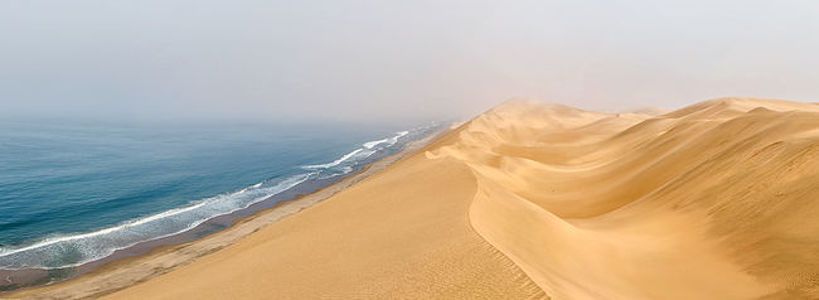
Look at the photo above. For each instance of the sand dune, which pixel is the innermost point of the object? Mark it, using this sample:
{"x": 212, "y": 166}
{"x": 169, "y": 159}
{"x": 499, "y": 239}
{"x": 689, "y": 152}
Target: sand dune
{"x": 713, "y": 201}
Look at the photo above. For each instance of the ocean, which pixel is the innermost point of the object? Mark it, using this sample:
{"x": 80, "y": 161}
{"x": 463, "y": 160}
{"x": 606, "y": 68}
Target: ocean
{"x": 72, "y": 192}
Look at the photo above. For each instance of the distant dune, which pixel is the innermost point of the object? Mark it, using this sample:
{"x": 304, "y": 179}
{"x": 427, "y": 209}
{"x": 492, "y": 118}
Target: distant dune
{"x": 649, "y": 110}
{"x": 718, "y": 200}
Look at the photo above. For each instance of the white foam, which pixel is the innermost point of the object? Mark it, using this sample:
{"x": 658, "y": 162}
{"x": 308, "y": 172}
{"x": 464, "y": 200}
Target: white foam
{"x": 98, "y": 244}
{"x": 364, "y": 152}
{"x": 389, "y": 141}
{"x": 394, "y": 139}
{"x": 335, "y": 162}
{"x": 370, "y": 145}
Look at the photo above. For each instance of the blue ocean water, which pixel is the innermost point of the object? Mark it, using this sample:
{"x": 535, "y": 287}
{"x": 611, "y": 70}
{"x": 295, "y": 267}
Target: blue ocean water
{"x": 71, "y": 193}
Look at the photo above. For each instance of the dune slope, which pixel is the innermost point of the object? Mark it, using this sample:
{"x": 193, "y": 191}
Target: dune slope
{"x": 713, "y": 201}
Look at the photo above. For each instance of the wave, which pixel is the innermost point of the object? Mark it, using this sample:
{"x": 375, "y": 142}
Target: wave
{"x": 389, "y": 141}
{"x": 74, "y": 250}
{"x": 368, "y": 149}
{"x": 370, "y": 145}
{"x": 337, "y": 161}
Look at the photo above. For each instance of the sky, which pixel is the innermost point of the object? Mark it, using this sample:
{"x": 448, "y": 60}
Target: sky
{"x": 387, "y": 61}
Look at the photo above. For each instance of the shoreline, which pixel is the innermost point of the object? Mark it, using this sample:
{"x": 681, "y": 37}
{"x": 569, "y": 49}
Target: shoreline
{"x": 149, "y": 259}
{"x": 38, "y": 277}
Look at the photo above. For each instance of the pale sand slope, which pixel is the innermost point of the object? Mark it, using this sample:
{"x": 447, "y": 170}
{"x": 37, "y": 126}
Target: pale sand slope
{"x": 714, "y": 201}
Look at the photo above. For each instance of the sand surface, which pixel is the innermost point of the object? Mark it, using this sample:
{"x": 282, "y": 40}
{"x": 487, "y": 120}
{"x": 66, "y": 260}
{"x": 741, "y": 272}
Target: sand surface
{"x": 717, "y": 200}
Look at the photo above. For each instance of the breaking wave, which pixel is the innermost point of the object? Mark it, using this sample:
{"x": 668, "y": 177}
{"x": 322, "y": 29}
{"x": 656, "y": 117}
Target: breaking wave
{"x": 77, "y": 249}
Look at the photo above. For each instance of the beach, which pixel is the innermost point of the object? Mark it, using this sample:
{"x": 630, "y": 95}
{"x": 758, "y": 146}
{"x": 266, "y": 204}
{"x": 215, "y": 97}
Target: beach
{"x": 529, "y": 201}
{"x": 155, "y": 257}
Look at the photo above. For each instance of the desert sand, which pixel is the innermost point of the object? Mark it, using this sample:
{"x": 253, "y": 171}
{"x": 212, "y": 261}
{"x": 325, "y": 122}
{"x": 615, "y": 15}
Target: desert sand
{"x": 717, "y": 200}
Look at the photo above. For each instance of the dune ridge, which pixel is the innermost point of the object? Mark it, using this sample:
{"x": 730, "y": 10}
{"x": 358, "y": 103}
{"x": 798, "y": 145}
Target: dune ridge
{"x": 714, "y": 200}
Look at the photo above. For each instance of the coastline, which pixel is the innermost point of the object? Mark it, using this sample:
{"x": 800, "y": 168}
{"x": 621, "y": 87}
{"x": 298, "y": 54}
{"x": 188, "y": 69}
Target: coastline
{"x": 528, "y": 201}
{"x": 153, "y": 258}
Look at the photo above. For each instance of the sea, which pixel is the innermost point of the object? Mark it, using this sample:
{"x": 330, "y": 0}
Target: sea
{"x": 76, "y": 192}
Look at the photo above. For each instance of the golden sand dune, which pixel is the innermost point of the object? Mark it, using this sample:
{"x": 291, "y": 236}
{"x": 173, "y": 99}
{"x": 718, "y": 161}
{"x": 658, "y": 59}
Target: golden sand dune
{"x": 714, "y": 201}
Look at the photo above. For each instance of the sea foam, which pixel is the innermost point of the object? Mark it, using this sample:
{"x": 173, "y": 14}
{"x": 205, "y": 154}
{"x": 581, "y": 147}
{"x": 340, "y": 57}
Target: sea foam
{"x": 72, "y": 250}
{"x": 367, "y": 149}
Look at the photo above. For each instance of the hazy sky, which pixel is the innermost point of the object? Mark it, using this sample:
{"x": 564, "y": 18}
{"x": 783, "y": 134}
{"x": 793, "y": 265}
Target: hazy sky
{"x": 383, "y": 60}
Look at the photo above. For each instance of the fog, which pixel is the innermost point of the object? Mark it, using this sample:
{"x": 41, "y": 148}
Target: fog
{"x": 386, "y": 61}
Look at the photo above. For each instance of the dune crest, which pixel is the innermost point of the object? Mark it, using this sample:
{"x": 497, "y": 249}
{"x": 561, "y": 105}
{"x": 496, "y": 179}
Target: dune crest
{"x": 716, "y": 200}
